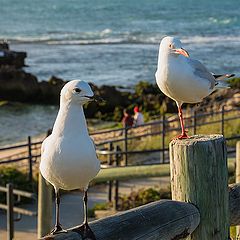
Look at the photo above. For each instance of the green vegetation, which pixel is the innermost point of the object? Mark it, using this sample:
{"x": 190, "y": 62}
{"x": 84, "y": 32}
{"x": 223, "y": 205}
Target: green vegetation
{"x": 91, "y": 213}
{"x": 143, "y": 196}
{"x": 17, "y": 178}
{"x": 102, "y": 206}
{"x": 136, "y": 198}
{"x": 234, "y": 83}
{"x": 233, "y": 232}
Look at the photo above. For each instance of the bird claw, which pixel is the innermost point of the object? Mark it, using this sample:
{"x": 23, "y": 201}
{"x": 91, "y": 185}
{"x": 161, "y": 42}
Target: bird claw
{"x": 57, "y": 229}
{"x": 85, "y": 231}
{"x": 182, "y": 136}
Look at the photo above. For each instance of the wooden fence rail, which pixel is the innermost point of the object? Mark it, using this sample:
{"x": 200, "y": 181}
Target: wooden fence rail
{"x": 165, "y": 220}
{"x": 9, "y": 207}
{"x": 199, "y": 175}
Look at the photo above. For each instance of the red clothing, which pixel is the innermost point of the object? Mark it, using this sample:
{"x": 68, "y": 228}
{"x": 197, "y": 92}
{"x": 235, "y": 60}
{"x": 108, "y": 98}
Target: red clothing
{"x": 127, "y": 121}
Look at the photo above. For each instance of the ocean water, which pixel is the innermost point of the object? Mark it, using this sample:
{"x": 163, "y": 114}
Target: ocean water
{"x": 113, "y": 42}
{"x": 116, "y": 42}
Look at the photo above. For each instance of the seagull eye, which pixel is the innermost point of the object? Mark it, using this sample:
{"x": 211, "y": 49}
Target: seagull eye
{"x": 170, "y": 46}
{"x": 77, "y": 90}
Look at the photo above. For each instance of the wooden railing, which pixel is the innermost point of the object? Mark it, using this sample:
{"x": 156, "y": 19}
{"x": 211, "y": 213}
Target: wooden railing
{"x": 200, "y": 208}
{"x": 162, "y": 128}
{"x": 28, "y": 154}
{"x": 11, "y": 209}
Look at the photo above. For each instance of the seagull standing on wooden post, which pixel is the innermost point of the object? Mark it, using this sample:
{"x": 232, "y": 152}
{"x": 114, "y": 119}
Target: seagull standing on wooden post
{"x": 183, "y": 79}
{"x": 68, "y": 159}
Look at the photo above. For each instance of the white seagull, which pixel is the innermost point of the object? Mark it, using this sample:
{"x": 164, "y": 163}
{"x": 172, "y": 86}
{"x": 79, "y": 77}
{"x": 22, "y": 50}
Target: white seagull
{"x": 68, "y": 158}
{"x": 183, "y": 79}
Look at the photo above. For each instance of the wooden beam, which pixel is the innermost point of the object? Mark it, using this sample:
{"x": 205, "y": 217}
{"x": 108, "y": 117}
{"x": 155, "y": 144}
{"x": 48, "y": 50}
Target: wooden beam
{"x": 44, "y": 206}
{"x": 165, "y": 220}
{"x": 238, "y": 180}
{"x": 199, "y": 175}
{"x": 171, "y": 206}
{"x": 234, "y": 204}
{"x": 130, "y": 172}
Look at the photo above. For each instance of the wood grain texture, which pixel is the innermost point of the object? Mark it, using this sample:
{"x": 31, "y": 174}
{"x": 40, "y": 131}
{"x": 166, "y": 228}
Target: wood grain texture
{"x": 165, "y": 220}
{"x": 120, "y": 221}
{"x": 199, "y": 175}
{"x": 234, "y": 204}
{"x": 44, "y": 206}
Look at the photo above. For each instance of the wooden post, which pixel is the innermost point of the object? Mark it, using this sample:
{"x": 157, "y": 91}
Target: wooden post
{"x": 126, "y": 145}
{"x": 199, "y": 175}
{"x": 222, "y": 120}
{"x": 195, "y": 122}
{"x": 30, "y": 159}
{"x": 110, "y": 182}
{"x": 10, "y": 213}
{"x": 163, "y": 138}
{"x": 44, "y": 207}
{"x": 116, "y": 181}
{"x": 238, "y": 178}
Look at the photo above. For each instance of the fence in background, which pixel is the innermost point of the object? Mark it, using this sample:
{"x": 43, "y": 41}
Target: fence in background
{"x": 27, "y": 154}
{"x": 163, "y": 128}
{"x": 11, "y": 209}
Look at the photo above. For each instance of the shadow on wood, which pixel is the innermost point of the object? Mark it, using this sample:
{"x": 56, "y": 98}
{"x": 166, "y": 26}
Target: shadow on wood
{"x": 165, "y": 220}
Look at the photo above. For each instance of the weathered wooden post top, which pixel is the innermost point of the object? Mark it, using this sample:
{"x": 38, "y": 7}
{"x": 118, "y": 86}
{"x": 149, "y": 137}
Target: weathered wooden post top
{"x": 199, "y": 175}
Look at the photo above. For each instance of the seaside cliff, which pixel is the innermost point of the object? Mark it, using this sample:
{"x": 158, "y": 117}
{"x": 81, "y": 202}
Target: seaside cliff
{"x": 19, "y": 86}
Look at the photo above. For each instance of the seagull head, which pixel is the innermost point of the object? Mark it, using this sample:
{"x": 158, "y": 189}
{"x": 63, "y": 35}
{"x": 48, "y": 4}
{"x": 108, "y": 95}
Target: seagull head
{"x": 78, "y": 92}
{"x": 172, "y": 46}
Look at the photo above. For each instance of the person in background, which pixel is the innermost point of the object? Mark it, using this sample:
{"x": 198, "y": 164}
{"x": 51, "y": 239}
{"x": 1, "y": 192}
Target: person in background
{"x": 127, "y": 120}
{"x": 138, "y": 117}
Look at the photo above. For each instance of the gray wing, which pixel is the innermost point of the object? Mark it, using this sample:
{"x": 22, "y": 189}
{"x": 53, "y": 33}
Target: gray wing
{"x": 94, "y": 146}
{"x": 201, "y": 71}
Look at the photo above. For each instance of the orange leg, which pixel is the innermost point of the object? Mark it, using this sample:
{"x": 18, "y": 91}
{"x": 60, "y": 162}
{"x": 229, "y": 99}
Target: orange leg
{"x": 184, "y": 134}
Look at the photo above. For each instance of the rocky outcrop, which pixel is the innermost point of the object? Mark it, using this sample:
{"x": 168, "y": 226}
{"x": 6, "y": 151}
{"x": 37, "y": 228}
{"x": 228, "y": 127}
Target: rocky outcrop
{"x": 18, "y": 85}
{"x": 11, "y": 58}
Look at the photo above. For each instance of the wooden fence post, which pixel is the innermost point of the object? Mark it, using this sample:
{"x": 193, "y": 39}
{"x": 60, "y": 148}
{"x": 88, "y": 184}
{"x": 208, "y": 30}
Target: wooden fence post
{"x": 118, "y": 149}
{"x": 30, "y": 159}
{"x": 163, "y": 138}
{"x": 44, "y": 207}
{"x": 222, "y": 120}
{"x": 110, "y": 148}
{"x": 126, "y": 145}
{"x": 238, "y": 179}
{"x": 194, "y": 122}
{"x": 199, "y": 175}
{"x": 10, "y": 213}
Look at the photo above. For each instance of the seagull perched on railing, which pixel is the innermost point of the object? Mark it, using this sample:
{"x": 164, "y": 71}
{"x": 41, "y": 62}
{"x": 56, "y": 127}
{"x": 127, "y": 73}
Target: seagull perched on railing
{"x": 183, "y": 79}
{"x": 68, "y": 159}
